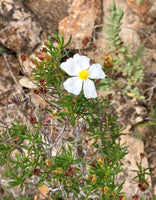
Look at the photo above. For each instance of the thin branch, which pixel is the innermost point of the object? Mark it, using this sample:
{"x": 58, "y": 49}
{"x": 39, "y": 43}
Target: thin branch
{"x": 8, "y": 65}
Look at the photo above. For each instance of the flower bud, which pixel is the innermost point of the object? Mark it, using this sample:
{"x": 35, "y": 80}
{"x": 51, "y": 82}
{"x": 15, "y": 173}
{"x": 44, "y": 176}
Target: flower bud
{"x": 41, "y": 56}
{"x": 43, "y": 81}
{"x": 108, "y": 60}
{"x": 105, "y": 190}
{"x": 43, "y": 49}
{"x": 93, "y": 178}
{"x": 33, "y": 60}
{"x": 36, "y": 91}
{"x": 93, "y": 164}
{"x": 143, "y": 186}
{"x": 47, "y": 57}
{"x": 48, "y": 162}
{"x": 100, "y": 160}
{"x": 46, "y": 43}
{"x": 37, "y": 64}
{"x": 36, "y": 171}
{"x": 32, "y": 120}
{"x": 136, "y": 197}
{"x": 122, "y": 197}
{"x": 58, "y": 170}
{"x": 70, "y": 171}
{"x": 42, "y": 90}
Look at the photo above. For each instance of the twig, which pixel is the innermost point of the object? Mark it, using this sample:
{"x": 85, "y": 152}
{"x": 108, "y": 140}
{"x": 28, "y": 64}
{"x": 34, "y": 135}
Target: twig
{"x": 8, "y": 65}
{"x": 63, "y": 192}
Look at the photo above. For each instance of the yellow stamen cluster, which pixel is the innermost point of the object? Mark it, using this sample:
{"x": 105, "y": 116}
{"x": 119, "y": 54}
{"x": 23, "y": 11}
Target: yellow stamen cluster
{"x": 84, "y": 74}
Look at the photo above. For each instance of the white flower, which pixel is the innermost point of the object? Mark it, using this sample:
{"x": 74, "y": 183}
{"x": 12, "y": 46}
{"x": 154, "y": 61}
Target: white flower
{"x": 79, "y": 67}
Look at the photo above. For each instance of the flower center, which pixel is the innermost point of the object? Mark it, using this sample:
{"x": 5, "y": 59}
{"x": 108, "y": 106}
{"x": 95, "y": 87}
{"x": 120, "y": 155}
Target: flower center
{"x": 83, "y": 74}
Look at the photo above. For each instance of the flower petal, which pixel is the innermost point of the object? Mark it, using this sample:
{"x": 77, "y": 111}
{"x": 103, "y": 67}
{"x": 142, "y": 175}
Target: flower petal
{"x": 73, "y": 85}
{"x": 96, "y": 72}
{"x": 71, "y": 67}
{"x": 89, "y": 89}
{"x": 83, "y": 61}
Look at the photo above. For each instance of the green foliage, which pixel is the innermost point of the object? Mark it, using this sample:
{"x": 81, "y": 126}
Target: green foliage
{"x": 125, "y": 63}
{"x": 12, "y": 141}
{"x": 30, "y": 157}
{"x": 66, "y": 168}
{"x": 49, "y": 68}
{"x": 71, "y": 171}
{"x": 143, "y": 182}
{"x": 112, "y": 29}
{"x": 141, "y": 176}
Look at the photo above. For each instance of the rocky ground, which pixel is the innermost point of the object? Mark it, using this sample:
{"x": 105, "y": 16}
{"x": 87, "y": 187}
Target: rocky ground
{"x": 25, "y": 24}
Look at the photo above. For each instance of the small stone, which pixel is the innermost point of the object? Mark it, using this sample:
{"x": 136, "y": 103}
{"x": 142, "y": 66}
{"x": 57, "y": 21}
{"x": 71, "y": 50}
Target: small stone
{"x": 49, "y": 13}
{"x": 19, "y": 31}
{"x": 80, "y": 23}
{"x": 150, "y": 16}
{"x": 139, "y": 8}
{"x": 27, "y": 83}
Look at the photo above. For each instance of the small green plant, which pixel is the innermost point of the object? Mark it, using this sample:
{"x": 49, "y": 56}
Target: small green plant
{"x": 141, "y": 174}
{"x": 82, "y": 155}
{"x": 142, "y": 181}
{"x": 124, "y": 63}
{"x": 76, "y": 168}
